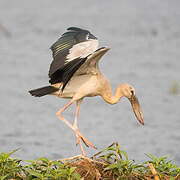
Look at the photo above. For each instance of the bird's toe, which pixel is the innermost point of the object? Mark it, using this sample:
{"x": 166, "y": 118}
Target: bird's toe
{"x": 84, "y": 140}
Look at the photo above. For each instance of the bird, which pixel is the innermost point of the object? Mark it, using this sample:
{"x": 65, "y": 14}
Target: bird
{"x": 74, "y": 74}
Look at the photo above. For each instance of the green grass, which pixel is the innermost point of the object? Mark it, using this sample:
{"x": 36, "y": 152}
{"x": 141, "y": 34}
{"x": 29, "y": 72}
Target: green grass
{"x": 121, "y": 166}
{"x": 111, "y": 163}
{"x": 41, "y": 168}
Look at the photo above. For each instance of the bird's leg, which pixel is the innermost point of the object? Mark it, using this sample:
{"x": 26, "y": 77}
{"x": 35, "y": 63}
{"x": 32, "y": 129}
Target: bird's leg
{"x": 77, "y": 114}
{"x": 60, "y": 116}
{"x": 74, "y": 126}
{"x": 78, "y": 134}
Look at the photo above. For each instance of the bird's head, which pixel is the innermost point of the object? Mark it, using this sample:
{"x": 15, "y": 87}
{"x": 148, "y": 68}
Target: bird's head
{"x": 128, "y": 91}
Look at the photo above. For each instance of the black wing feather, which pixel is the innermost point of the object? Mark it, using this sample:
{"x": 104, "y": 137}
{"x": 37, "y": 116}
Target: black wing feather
{"x": 62, "y": 70}
{"x": 77, "y": 29}
{"x": 65, "y": 73}
{"x": 61, "y": 47}
{"x": 58, "y": 62}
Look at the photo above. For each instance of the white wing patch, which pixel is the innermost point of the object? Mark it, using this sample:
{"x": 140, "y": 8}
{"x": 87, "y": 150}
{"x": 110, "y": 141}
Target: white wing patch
{"x": 82, "y": 49}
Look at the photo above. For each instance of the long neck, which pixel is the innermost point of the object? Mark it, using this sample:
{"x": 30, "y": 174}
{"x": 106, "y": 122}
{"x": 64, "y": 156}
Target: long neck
{"x": 112, "y": 99}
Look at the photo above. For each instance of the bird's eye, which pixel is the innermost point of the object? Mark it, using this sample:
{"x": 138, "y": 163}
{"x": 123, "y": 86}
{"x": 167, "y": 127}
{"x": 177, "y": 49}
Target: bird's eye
{"x": 132, "y": 92}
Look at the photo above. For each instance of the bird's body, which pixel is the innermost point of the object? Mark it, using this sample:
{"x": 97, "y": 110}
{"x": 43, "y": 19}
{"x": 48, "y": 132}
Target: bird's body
{"x": 82, "y": 85}
{"x": 74, "y": 74}
{"x": 84, "y": 88}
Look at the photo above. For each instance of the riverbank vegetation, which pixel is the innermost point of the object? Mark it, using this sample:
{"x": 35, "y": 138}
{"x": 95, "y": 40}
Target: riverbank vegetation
{"x": 111, "y": 163}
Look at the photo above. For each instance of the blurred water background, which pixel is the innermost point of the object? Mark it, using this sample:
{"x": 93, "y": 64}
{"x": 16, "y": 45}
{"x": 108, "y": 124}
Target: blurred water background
{"x": 144, "y": 37}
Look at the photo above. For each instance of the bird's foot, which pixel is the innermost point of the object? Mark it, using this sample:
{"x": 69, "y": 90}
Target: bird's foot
{"x": 84, "y": 140}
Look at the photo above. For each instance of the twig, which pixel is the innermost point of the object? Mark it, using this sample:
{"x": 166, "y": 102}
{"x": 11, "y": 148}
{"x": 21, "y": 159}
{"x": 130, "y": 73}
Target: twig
{"x": 81, "y": 157}
{"x": 114, "y": 143}
{"x": 155, "y": 174}
{"x": 71, "y": 158}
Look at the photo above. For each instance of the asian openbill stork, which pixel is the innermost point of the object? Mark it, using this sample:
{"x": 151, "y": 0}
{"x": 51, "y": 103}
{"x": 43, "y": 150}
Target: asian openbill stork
{"x": 74, "y": 73}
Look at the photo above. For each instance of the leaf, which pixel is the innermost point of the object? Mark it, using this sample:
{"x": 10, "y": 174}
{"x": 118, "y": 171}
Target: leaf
{"x": 162, "y": 158}
{"x": 76, "y": 176}
{"x": 15, "y": 150}
{"x": 29, "y": 161}
{"x": 112, "y": 166}
{"x": 59, "y": 164}
{"x": 72, "y": 169}
{"x": 34, "y": 173}
{"x": 124, "y": 154}
{"x": 44, "y": 160}
{"x": 3, "y": 177}
{"x": 152, "y": 157}
{"x": 117, "y": 152}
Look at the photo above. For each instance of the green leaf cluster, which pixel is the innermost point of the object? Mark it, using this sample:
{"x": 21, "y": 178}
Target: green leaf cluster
{"x": 163, "y": 166}
{"x": 121, "y": 166}
{"x": 39, "y": 169}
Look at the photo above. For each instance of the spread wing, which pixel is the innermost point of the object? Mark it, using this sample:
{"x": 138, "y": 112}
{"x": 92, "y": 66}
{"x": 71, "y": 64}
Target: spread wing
{"x": 90, "y": 65}
{"x": 69, "y": 53}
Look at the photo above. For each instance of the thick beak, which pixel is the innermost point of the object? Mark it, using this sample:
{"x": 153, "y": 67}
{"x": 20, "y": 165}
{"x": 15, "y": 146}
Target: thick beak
{"x": 136, "y": 108}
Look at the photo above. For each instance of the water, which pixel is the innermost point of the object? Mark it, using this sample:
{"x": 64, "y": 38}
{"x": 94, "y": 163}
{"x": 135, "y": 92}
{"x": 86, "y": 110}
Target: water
{"x": 144, "y": 38}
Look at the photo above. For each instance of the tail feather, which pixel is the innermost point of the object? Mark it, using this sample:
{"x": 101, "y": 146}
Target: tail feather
{"x": 43, "y": 91}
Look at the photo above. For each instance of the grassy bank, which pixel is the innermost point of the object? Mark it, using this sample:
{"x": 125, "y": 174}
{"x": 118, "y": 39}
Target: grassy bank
{"x": 111, "y": 163}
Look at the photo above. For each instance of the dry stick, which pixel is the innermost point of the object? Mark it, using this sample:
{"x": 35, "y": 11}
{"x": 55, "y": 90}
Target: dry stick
{"x": 71, "y": 158}
{"x": 156, "y": 177}
{"x": 81, "y": 157}
{"x": 114, "y": 143}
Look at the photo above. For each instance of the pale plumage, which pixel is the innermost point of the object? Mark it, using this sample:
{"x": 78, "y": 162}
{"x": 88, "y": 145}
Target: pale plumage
{"x": 74, "y": 74}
